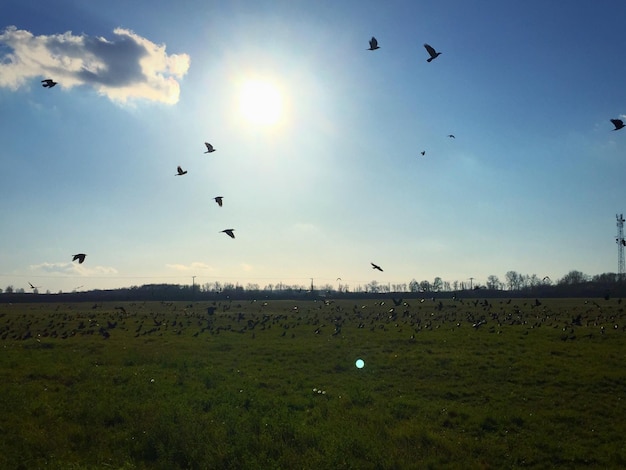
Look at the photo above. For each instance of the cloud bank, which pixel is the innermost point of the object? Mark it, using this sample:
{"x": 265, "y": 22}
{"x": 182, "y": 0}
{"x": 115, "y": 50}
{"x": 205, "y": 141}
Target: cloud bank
{"x": 125, "y": 68}
{"x": 193, "y": 266}
{"x": 73, "y": 269}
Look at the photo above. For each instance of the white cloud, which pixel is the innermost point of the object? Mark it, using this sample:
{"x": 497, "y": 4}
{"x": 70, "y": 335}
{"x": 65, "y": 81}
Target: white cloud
{"x": 73, "y": 269}
{"x": 126, "y": 68}
{"x": 193, "y": 266}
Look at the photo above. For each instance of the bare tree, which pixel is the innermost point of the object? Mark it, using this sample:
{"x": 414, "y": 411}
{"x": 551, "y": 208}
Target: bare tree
{"x": 574, "y": 277}
{"x": 493, "y": 282}
{"x": 372, "y": 287}
{"x": 513, "y": 280}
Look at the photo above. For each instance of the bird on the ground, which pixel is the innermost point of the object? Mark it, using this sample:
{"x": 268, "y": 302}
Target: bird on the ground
{"x": 373, "y": 44}
{"x": 218, "y": 199}
{"x": 180, "y": 172}
{"x": 451, "y": 136}
{"x": 209, "y": 148}
{"x": 618, "y": 123}
{"x": 375, "y": 266}
{"x": 48, "y": 83}
{"x": 80, "y": 257}
{"x": 229, "y": 232}
{"x": 432, "y": 52}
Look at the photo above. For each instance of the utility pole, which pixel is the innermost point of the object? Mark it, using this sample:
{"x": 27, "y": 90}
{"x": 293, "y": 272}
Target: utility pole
{"x": 471, "y": 280}
{"x": 193, "y": 286}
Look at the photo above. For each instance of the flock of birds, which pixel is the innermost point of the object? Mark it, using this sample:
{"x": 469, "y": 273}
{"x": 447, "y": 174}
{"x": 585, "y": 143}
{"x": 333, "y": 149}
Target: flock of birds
{"x": 217, "y": 199}
{"x": 373, "y": 43}
{"x": 80, "y": 257}
{"x": 328, "y": 318}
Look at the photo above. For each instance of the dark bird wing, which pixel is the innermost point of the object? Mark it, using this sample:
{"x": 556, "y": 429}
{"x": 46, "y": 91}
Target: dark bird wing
{"x": 431, "y": 50}
{"x": 218, "y": 199}
{"x": 373, "y": 43}
{"x": 80, "y": 257}
{"x": 229, "y": 232}
{"x": 375, "y": 266}
{"x": 618, "y": 123}
{"x": 209, "y": 147}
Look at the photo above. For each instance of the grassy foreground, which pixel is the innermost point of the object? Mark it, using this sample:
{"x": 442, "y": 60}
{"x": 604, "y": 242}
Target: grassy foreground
{"x": 450, "y": 384}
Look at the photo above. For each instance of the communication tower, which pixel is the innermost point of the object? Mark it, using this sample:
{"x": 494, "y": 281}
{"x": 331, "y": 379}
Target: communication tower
{"x": 621, "y": 242}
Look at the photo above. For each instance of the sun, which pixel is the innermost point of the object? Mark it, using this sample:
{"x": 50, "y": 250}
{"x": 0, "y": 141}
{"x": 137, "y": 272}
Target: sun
{"x": 261, "y": 102}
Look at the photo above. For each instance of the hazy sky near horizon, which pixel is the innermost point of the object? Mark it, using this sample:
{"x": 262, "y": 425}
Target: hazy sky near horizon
{"x": 317, "y": 141}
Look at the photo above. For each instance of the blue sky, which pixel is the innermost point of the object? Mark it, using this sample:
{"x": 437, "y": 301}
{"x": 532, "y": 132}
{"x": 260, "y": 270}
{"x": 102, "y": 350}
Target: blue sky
{"x": 531, "y": 183}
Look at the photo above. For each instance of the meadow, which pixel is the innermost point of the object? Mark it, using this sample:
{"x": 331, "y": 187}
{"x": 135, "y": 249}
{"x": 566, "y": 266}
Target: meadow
{"x": 485, "y": 383}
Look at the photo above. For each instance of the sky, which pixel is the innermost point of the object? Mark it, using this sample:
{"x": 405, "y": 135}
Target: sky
{"x": 318, "y": 141}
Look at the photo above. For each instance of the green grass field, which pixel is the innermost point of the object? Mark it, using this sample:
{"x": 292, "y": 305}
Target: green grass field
{"x": 473, "y": 384}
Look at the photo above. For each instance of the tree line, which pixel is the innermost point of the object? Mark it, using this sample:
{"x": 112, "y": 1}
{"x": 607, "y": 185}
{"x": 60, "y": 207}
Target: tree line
{"x": 573, "y": 284}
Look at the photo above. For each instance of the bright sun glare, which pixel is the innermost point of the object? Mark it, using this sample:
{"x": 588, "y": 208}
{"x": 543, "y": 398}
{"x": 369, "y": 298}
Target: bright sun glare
{"x": 261, "y": 102}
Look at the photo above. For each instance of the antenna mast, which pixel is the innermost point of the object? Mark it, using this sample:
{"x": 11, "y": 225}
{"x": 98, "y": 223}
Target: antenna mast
{"x": 620, "y": 246}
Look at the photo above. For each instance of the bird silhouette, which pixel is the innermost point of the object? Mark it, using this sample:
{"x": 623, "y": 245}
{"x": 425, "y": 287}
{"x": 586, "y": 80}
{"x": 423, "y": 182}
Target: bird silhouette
{"x": 209, "y": 148}
{"x": 375, "y": 266}
{"x": 33, "y": 287}
{"x": 229, "y": 232}
{"x": 432, "y": 52}
{"x": 218, "y": 199}
{"x": 618, "y": 123}
{"x": 80, "y": 257}
{"x": 451, "y": 136}
{"x": 180, "y": 172}
{"x": 423, "y": 152}
{"x": 48, "y": 83}
{"x": 373, "y": 44}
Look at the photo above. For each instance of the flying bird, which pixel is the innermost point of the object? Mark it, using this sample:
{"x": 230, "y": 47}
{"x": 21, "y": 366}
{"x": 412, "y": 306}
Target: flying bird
{"x": 181, "y": 172}
{"x": 48, "y": 83}
{"x": 218, "y": 199}
{"x": 451, "y": 136}
{"x": 373, "y": 44}
{"x": 423, "y": 152}
{"x": 80, "y": 257}
{"x": 618, "y": 123}
{"x": 209, "y": 148}
{"x": 33, "y": 287}
{"x": 432, "y": 52}
{"x": 229, "y": 232}
{"x": 375, "y": 266}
